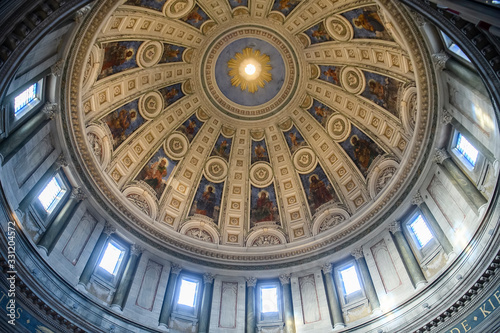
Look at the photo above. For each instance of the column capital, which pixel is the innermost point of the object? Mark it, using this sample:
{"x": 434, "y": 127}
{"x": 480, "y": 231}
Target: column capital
{"x": 417, "y": 199}
{"x": 136, "y": 250}
{"x": 357, "y": 253}
{"x": 441, "y": 155}
{"x": 284, "y": 279}
{"x": 50, "y": 110}
{"x": 175, "y": 268}
{"x": 251, "y": 281}
{"x": 208, "y": 278}
{"x": 327, "y": 268}
{"x": 81, "y": 13}
{"x": 57, "y": 68}
{"x": 109, "y": 229}
{"x": 61, "y": 162}
{"x": 78, "y": 194}
{"x": 395, "y": 227}
{"x": 447, "y": 116}
{"x": 439, "y": 60}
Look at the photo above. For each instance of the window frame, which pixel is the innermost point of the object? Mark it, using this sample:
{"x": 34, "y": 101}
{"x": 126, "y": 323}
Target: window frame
{"x": 37, "y": 208}
{"x": 426, "y": 252}
{"x": 448, "y": 43}
{"x": 474, "y": 173}
{"x": 265, "y": 318}
{"x": 354, "y": 298}
{"x": 101, "y": 273}
{"x": 182, "y": 310}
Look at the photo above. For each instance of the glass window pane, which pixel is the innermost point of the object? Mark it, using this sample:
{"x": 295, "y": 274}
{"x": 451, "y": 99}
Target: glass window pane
{"x": 350, "y": 280}
{"x": 421, "y": 231}
{"x": 269, "y": 298}
{"x": 51, "y": 195}
{"x": 24, "y": 98}
{"x": 466, "y": 149}
{"x": 454, "y": 47}
{"x": 187, "y": 292}
{"x": 110, "y": 259}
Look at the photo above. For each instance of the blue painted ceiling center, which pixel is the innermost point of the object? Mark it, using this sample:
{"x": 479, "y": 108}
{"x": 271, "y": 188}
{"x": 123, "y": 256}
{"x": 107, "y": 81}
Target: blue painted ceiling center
{"x": 244, "y": 97}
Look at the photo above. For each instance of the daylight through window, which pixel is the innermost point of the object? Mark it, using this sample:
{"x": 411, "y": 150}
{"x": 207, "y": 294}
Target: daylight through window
{"x": 421, "y": 231}
{"x": 269, "y": 298}
{"x": 454, "y": 47}
{"x": 24, "y": 98}
{"x": 51, "y": 195}
{"x": 466, "y": 149}
{"x": 187, "y": 292}
{"x": 111, "y": 258}
{"x": 350, "y": 280}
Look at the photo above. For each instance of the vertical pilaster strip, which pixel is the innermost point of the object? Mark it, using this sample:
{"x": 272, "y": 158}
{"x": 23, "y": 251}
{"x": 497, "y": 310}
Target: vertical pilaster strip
{"x": 250, "y": 305}
{"x": 123, "y": 290}
{"x": 371, "y": 293}
{"x": 332, "y": 296}
{"x": 409, "y": 260}
{"x": 287, "y": 303}
{"x": 206, "y": 302}
{"x": 166, "y": 309}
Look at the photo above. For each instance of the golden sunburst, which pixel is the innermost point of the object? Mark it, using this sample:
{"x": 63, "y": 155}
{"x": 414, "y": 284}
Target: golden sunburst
{"x": 250, "y": 70}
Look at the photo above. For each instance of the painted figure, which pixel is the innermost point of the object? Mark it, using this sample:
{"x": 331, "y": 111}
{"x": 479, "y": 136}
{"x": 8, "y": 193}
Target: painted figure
{"x": 318, "y": 191}
{"x": 155, "y": 174}
{"x": 331, "y": 73}
{"x": 369, "y": 21}
{"x": 207, "y": 204}
{"x": 264, "y": 209}
{"x": 377, "y": 89}
{"x": 119, "y": 123}
{"x": 260, "y": 152}
{"x": 115, "y": 55}
{"x": 363, "y": 151}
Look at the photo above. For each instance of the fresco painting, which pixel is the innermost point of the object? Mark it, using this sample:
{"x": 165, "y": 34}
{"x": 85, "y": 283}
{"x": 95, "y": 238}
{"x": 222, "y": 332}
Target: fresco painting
{"x": 172, "y": 94}
{"x": 361, "y": 149}
{"x": 263, "y": 206}
{"x": 318, "y": 34}
{"x": 383, "y": 91}
{"x": 222, "y": 147}
{"x": 123, "y": 122}
{"x": 190, "y": 127}
{"x": 320, "y": 112}
{"x": 294, "y": 139}
{"x": 259, "y": 151}
{"x": 330, "y": 74}
{"x": 157, "y": 171}
{"x": 318, "y": 189}
{"x": 196, "y": 17}
{"x": 238, "y": 3}
{"x": 285, "y": 6}
{"x": 208, "y": 199}
{"x": 367, "y": 23}
{"x": 151, "y": 4}
{"x": 171, "y": 53}
{"x": 118, "y": 57}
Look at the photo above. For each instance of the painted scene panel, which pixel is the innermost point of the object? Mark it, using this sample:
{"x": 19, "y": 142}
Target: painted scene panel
{"x": 285, "y": 6}
{"x": 171, "y": 94}
{"x": 318, "y": 34}
{"x": 222, "y": 147}
{"x": 118, "y": 57}
{"x": 190, "y": 127}
{"x": 171, "y": 53}
{"x": 361, "y": 149}
{"x": 318, "y": 189}
{"x": 156, "y": 172}
{"x": 208, "y": 199}
{"x": 330, "y": 74}
{"x": 263, "y": 206}
{"x": 367, "y": 23}
{"x": 320, "y": 112}
{"x": 237, "y": 3}
{"x": 294, "y": 139}
{"x": 383, "y": 91}
{"x": 123, "y": 122}
{"x": 259, "y": 151}
{"x": 151, "y": 4}
{"x": 196, "y": 17}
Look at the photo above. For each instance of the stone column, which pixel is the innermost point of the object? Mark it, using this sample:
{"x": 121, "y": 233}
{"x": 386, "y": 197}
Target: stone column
{"x": 371, "y": 294}
{"x": 35, "y": 190}
{"x": 56, "y": 228}
{"x": 166, "y": 308}
{"x": 99, "y": 246}
{"x": 459, "y": 180}
{"x": 409, "y": 260}
{"x": 332, "y": 296}
{"x": 287, "y": 303}
{"x": 206, "y": 302}
{"x": 250, "y": 306}
{"x": 11, "y": 145}
{"x": 434, "y": 225}
{"x": 121, "y": 294}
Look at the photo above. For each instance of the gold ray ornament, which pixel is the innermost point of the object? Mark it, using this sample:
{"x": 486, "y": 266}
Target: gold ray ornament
{"x": 250, "y": 70}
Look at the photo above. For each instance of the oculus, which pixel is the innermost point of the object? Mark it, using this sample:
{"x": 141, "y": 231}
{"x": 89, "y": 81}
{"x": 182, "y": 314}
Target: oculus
{"x": 250, "y": 70}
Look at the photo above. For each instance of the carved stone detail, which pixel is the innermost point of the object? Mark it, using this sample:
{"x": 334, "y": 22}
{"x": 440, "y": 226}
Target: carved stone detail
{"x": 175, "y": 269}
{"x": 417, "y": 199}
{"x": 395, "y": 227}
{"x": 208, "y": 278}
{"x": 447, "y": 116}
{"x": 284, "y": 279}
{"x": 50, "y": 110}
{"x": 251, "y": 281}
{"x": 57, "y": 68}
{"x": 441, "y": 155}
{"x": 109, "y": 229}
{"x": 439, "y": 60}
{"x": 78, "y": 194}
{"x": 136, "y": 250}
{"x": 327, "y": 268}
{"x": 357, "y": 253}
